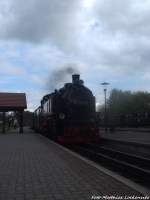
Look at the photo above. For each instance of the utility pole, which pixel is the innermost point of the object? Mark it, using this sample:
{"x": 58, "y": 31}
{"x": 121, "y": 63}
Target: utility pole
{"x": 105, "y": 99}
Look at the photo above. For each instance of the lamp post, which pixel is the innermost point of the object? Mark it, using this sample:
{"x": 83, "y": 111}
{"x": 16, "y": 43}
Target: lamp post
{"x": 105, "y": 115}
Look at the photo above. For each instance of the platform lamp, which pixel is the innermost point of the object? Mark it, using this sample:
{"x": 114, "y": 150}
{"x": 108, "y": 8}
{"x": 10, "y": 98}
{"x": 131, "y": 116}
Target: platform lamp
{"x": 105, "y": 84}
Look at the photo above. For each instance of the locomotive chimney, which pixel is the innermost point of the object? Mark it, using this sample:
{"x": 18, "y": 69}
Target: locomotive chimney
{"x": 75, "y": 78}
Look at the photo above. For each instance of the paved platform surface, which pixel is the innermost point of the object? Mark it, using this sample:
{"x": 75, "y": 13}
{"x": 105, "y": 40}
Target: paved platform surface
{"x": 34, "y": 168}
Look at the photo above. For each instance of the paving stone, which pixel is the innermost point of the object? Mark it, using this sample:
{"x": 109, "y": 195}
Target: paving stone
{"x": 32, "y": 167}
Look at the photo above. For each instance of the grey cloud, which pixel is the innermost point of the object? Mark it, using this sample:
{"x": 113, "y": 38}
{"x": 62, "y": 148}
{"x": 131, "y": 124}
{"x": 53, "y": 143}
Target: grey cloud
{"x": 121, "y": 35}
{"x": 130, "y": 16}
{"x": 116, "y": 35}
{"x": 36, "y": 20}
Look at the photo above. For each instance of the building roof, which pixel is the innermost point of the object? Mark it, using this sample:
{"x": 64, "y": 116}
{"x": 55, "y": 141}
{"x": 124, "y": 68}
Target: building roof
{"x": 12, "y": 101}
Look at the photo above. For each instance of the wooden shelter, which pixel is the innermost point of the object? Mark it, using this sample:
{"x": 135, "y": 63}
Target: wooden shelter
{"x": 13, "y": 102}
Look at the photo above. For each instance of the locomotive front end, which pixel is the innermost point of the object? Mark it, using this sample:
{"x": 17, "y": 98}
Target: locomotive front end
{"x": 79, "y": 110}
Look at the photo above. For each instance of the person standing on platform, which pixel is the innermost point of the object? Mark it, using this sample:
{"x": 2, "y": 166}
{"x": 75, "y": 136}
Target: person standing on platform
{"x": 15, "y": 123}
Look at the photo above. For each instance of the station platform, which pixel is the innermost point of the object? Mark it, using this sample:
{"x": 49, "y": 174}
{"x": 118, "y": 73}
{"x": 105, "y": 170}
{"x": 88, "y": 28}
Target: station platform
{"x": 34, "y": 168}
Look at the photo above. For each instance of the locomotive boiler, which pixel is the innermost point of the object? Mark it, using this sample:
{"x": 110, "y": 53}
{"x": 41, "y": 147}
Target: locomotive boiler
{"x": 68, "y": 115}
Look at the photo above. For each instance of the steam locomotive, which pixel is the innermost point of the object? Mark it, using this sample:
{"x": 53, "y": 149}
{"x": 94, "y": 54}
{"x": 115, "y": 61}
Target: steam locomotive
{"x": 68, "y": 115}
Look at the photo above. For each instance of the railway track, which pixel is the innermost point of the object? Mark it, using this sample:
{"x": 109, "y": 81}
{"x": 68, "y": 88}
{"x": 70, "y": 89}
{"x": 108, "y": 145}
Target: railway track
{"x": 131, "y": 166}
{"x": 139, "y": 149}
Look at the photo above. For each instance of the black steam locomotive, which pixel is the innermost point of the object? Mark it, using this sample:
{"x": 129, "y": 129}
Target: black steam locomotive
{"x": 68, "y": 115}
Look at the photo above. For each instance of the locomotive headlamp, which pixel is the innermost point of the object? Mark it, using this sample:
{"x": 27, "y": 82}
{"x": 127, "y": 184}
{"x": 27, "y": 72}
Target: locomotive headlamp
{"x": 61, "y": 116}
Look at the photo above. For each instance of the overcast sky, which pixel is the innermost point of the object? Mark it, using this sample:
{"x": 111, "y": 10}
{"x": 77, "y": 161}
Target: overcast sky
{"x": 104, "y": 40}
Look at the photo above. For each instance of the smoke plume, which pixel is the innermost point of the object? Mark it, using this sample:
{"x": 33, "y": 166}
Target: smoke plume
{"x": 60, "y": 76}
